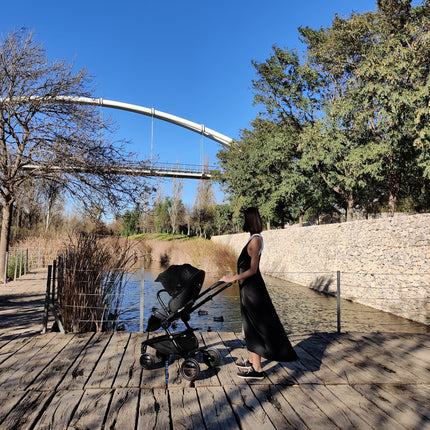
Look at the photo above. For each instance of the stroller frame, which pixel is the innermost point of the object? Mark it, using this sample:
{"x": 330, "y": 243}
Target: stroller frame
{"x": 184, "y": 343}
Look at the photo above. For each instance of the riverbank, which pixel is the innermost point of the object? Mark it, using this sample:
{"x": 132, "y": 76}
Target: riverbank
{"x": 157, "y": 249}
{"x": 382, "y": 263}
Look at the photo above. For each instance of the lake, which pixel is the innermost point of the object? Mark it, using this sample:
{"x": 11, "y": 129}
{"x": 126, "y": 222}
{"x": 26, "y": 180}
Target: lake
{"x": 301, "y": 309}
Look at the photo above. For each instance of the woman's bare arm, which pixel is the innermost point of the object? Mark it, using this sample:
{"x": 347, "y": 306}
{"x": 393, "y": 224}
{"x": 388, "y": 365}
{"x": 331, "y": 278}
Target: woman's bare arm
{"x": 253, "y": 249}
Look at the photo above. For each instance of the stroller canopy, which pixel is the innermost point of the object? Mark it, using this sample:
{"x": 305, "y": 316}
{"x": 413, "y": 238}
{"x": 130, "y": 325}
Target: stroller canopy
{"x": 179, "y": 278}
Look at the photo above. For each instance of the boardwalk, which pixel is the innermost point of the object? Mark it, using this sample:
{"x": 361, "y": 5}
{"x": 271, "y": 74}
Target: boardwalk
{"x": 94, "y": 381}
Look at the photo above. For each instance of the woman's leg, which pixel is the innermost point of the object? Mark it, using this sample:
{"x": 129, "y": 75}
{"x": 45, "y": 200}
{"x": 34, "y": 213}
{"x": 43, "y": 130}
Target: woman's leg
{"x": 255, "y": 360}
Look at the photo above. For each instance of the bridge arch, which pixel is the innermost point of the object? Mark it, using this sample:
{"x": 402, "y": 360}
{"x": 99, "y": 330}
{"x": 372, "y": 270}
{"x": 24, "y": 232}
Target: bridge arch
{"x": 190, "y": 125}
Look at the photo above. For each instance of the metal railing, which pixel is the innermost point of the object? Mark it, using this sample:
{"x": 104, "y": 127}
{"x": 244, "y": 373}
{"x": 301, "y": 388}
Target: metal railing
{"x": 331, "y": 311}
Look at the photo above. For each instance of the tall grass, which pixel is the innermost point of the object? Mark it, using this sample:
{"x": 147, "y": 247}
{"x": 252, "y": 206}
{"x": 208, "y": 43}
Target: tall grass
{"x": 91, "y": 282}
{"x": 215, "y": 259}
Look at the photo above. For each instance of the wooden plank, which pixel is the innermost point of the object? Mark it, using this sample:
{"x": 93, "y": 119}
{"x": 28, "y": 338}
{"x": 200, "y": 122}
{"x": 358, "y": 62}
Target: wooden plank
{"x": 209, "y": 375}
{"x": 25, "y": 413}
{"x": 60, "y": 410}
{"x": 307, "y": 409}
{"x": 248, "y": 409}
{"x": 11, "y": 346}
{"x": 130, "y": 371}
{"x": 363, "y": 407}
{"x": 184, "y": 408}
{"x": 215, "y": 408}
{"x": 23, "y": 355}
{"x": 55, "y": 371}
{"x": 26, "y": 374}
{"x": 91, "y": 411}
{"x": 154, "y": 410}
{"x": 418, "y": 344}
{"x": 77, "y": 376}
{"x": 382, "y": 359}
{"x": 280, "y": 412}
{"x": 401, "y": 349}
{"x": 340, "y": 414}
{"x": 122, "y": 412}
{"x": 233, "y": 351}
{"x": 155, "y": 377}
{"x": 277, "y": 374}
{"x": 8, "y": 400}
{"x": 346, "y": 362}
{"x": 107, "y": 367}
{"x": 401, "y": 412}
{"x": 318, "y": 368}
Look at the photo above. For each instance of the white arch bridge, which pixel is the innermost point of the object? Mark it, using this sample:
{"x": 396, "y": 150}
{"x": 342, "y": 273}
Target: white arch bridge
{"x": 154, "y": 169}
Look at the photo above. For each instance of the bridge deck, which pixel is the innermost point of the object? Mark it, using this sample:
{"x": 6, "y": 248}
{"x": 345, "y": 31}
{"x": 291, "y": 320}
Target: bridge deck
{"x": 94, "y": 380}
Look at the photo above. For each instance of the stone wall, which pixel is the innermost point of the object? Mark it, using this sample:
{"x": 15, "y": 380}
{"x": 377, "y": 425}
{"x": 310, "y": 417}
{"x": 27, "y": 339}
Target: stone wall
{"x": 383, "y": 263}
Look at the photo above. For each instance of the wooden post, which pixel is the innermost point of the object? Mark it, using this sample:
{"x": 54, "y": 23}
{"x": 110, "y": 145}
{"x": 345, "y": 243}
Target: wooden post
{"x": 338, "y": 302}
{"x": 20, "y": 262}
{"x": 47, "y": 299}
{"x": 16, "y": 264}
{"x": 54, "y": 271}
{"x": 142, "y": 292}
{"x": 5, "y": 267}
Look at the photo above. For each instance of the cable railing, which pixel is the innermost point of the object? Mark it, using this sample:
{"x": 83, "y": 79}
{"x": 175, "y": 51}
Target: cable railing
{"x": 301, "y": 309}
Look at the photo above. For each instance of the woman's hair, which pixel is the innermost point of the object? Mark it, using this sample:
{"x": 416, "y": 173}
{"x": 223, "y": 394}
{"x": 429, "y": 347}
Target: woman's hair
{"x": 252, "y": 222}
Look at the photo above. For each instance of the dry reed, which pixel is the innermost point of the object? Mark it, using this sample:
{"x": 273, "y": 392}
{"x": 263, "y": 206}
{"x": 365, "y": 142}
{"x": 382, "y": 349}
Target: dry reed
{"x": 90, "y": 279}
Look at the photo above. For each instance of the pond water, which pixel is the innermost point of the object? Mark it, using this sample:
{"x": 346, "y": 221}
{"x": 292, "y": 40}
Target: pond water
{"x": 301, "y": 309}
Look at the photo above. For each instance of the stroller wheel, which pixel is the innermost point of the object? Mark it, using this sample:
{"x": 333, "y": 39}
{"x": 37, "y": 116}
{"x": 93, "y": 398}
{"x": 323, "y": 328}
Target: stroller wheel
{"x": 211, "y": 357}
{"x": 190, "y": 369}
{"x": 147, "y": 361}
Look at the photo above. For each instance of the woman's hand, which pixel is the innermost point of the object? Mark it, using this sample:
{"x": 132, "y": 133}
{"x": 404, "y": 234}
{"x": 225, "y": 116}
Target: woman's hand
{"x": 228, "y": 279}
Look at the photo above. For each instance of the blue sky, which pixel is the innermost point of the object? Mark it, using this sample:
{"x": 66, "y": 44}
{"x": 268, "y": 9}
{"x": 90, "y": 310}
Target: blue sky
{"x": 191, "y": 59}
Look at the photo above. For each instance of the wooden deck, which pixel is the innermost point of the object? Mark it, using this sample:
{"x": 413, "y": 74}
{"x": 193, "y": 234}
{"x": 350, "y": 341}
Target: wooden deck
{"x": 95, "y": 381}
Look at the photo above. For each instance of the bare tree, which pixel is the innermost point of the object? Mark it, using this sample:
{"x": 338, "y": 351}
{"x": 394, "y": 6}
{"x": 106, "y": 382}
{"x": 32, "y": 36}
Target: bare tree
{"x": 62, "y": 139}
{"x": 176, "y": 205}
{"x": 204, "y": 205}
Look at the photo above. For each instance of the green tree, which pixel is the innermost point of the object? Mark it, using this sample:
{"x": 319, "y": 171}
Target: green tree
{"x": 130, "y": 222}
{"x": 162, "y": 216}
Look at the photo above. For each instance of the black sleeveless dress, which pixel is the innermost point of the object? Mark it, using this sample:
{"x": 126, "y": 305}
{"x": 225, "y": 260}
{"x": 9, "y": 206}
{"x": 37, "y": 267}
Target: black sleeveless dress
{"x": 264, "y": 333}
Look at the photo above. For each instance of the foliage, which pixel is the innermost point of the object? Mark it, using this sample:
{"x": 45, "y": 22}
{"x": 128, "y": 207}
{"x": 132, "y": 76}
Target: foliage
{"x": 130, "y": 225}
{"x": 344, "y": 129}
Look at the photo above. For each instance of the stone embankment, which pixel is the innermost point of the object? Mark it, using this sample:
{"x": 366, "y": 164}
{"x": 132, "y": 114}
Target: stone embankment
{"x": 384, "y": 263}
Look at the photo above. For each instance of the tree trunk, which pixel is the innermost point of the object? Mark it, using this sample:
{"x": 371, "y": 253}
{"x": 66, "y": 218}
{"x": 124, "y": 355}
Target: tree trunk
{"x": 301, "y": 220}
{"x": 350, "y": 208}
{"x": 394, "y": 192}
{"x": 5, "y": 233}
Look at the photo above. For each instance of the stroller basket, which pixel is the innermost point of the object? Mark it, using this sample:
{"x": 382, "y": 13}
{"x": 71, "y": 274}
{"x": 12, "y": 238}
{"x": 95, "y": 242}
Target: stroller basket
{"x": 183, "y": 284}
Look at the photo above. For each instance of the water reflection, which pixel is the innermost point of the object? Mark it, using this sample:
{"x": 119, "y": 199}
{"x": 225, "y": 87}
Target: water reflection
{"x": 300, "y": 309}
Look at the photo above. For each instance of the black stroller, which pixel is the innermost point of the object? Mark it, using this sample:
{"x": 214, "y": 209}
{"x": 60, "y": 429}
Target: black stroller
{"x": 183, "y": 283}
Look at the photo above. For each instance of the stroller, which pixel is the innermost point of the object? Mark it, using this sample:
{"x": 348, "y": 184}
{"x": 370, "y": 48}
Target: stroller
{"x": 183, "y": 283}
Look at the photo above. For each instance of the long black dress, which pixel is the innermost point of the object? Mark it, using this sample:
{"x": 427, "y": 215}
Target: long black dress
{"x": 264, "y": 333}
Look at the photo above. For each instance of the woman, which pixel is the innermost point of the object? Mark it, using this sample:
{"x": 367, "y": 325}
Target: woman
{"x": 264, "y": 333}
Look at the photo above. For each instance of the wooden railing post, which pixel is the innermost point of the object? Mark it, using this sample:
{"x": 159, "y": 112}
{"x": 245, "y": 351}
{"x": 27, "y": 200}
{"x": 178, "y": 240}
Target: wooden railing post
{"x": 47, "y": 300}
{"x": 338, "y": 302}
